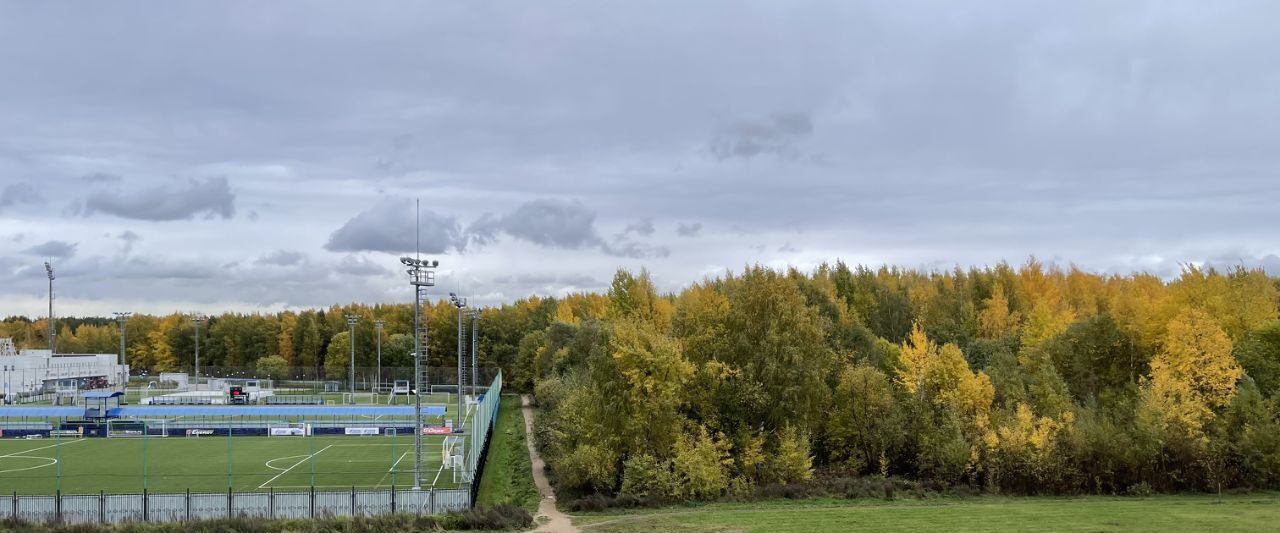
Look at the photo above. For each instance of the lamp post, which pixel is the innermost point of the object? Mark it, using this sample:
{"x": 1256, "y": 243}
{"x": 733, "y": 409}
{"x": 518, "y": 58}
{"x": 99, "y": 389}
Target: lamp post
{"x": 53, "y": 332}
{"x": 196, "y": 319}
{"x": 460, "y": 303}
{"x": 377, "y": 380}
{"x": 121, "y": 317}
{"x": 420, "y": 277}
{"x": 351, "y": 379}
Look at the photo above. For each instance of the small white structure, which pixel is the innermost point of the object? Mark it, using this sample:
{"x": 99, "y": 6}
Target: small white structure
{"x": 34, "y": 372}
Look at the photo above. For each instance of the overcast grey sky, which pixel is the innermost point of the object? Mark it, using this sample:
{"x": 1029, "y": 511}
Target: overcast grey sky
{"x": 245, "y": 155}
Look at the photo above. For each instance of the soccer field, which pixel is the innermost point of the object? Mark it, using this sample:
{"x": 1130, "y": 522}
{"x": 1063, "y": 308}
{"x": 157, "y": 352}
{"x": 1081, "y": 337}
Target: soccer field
{"x": 214, "y": 464}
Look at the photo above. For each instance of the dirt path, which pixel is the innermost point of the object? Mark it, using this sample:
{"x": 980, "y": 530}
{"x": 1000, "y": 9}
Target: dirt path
{"x": 549, "y": 518}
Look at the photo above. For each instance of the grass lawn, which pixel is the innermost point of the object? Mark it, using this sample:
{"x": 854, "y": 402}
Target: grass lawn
{"x": 1255, "y": 512}
{"x": 507, "y": 473}
{"x": 175, "y": 464}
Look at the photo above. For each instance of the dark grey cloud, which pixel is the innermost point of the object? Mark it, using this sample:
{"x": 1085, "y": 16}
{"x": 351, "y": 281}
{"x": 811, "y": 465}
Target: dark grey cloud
{"x": 688, "y": 230}
{"x": 564, "y": 224}
{"x": 129, "y": 238}
{"x": 388, "y": 227}
{"x": 101, "y": 177}
{"x": 19, "y": 193}
{"x": 54, "y": 249}
{"x": 282, "y": 258}
{"x": 776, "y": 134}
{"x": 183, "y": 201}
{"x": 643, "y": 228}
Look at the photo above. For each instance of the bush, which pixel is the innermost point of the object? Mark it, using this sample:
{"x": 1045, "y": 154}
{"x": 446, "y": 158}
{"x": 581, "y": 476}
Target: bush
{"x": 599, "y": 502}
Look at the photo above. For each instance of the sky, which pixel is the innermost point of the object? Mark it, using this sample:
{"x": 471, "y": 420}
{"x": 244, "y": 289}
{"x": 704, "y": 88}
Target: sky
{"x": 248, "y": 156}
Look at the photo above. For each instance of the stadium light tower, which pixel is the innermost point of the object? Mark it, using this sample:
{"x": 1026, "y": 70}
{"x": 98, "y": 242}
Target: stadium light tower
{"x": 120, "y": 317}
{"x": 475, "y": 332}
{"x": 351, "y": 379}
{"x": 377, "y": 380}
{"x": 420, "y": 277}
{"x": 460, "y": 303}
{"x": 53, "y": 332}
{"x": 197, "y": 318}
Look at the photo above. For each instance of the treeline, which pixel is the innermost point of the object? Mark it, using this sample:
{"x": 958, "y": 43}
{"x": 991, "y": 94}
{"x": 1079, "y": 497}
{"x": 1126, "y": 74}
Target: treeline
{"x": 1019, "y": 380}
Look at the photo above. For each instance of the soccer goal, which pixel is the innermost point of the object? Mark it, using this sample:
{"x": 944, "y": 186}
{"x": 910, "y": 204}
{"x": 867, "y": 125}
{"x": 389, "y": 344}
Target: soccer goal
{"x": 451, "y": 454}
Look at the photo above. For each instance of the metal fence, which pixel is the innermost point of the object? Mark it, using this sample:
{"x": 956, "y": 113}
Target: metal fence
{"x": 177, "y": 507}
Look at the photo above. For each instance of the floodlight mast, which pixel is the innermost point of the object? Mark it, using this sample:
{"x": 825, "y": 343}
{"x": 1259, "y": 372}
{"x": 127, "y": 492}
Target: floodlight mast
{"x": 377, "y": 380}
{"x": 197, "y": 318}
{"x": 475, "y": 332}
{"x": 53, "y": 332}
{"x": 121, "y": 317}
{"x": 420, "y": 277}
{"x": 351, "y": 379}
{"x": 460, "y": 303}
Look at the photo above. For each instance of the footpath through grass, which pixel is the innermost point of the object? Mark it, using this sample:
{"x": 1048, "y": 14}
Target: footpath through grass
{"x": 507, "y": 472}
{"x": 1255, "y": 512}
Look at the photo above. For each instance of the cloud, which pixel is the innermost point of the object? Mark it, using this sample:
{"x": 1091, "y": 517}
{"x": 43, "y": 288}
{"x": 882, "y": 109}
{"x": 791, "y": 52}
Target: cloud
{"x": 101, "y": 177}
{"x": 129, "y": 238}
{"x": 282, "y": 258}
{"x": 211, "y": 197}
{"x": 561, "y": 224}
{"x": 19, "y": 193}
{"x": 360, "y": 266}
{"x": 548, "y": 222}
{"x": 776, "y": 134}
{"x": 643, "y": 228}
{"x": 388, "y": 227}
{"x": 688, "y": 230}
{"x": 55, "y": 249}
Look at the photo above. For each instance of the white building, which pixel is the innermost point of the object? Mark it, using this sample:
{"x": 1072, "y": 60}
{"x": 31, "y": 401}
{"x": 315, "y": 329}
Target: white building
{"x": 33, "y": 372}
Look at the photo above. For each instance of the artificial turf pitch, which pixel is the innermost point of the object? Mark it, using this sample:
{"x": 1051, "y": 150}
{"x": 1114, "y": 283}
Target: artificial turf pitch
{"x": 215, "y": 464}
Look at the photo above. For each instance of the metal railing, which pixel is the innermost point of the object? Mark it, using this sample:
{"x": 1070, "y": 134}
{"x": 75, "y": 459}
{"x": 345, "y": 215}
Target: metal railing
{"x": 176, "y": 507}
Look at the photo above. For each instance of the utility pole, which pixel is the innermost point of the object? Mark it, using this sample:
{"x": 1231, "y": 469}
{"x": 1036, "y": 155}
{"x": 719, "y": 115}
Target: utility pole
{"x": 53, "y": 332}
{"x": 377, "y": 380}
{"x": 460, "y": 303}
{"x": 351, "y": 379}
{"x": 420, "y": 277}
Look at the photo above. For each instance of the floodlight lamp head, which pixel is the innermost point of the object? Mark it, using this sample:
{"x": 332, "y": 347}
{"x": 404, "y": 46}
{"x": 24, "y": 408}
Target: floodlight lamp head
{"x": 435, "y": 263}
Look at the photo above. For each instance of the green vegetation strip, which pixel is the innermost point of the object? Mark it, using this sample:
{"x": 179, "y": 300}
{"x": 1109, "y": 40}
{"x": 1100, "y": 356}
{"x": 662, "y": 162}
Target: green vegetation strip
{"x": 1257, "y": 512}
{"x": 508, "y": 475}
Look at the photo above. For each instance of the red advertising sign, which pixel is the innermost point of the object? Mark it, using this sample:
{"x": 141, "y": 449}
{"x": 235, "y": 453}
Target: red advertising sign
{"x": 436, "y": 430}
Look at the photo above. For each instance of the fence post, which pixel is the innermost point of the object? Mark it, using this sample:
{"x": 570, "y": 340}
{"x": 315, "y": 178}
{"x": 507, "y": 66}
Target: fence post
{"x": 15, "y": 505}
{"x": 431, "y": 493}
{"x": 146, "y": 506}
{"x": 102, "y": 507}
{"x": 57, "y": 505}
{"x": 313, "y": 501}
{"x": 353, "y": 501}
{"x": 188, "y": 501}
{"x": 393, "y": 499}
{"x": 271, "y": 502}
{"x": 230, "y": 513}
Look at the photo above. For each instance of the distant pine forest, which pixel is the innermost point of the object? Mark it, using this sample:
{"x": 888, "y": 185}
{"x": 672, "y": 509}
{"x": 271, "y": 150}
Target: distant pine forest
{"x": 1022, "y": 379}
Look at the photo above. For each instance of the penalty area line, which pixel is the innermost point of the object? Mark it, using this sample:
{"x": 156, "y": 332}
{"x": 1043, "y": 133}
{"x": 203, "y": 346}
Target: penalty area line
{"x": 295, "y": 465}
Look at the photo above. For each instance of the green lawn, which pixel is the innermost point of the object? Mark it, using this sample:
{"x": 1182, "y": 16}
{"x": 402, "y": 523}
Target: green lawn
{"x": 42, "y": 466}
{"x": 1257, "y": 512}
{"x": 508, "y": 475}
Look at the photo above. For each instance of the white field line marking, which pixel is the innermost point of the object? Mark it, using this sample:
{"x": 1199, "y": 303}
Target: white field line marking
{"x": 390, "y": 470}
{"x": 51, "y": 462}
{"x": 268, "y": 463}
{"x": 433, "y": 482}
{"x": 409, "y": 444}
{"x": 295, "y": 465}
{"x": 41, "y": 448}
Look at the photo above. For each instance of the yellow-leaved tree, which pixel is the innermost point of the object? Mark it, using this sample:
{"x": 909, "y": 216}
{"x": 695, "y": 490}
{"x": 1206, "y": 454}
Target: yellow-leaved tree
{"x": 996, "y": 320}
{"x": 1194, "y": 374}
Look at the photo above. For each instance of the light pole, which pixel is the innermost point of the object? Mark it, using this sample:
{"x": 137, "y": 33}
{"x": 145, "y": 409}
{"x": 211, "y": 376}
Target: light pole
{"x": 196, "y": 319}
{"x": 53, "y": 332}
{"x": 460, "y": 303}
{"x": 377, "y": 380}
{"x": 420, "y": 277}
{"x": 121, "y": 317}
{"x": 475, "y": 334}
{"x": 351, "y": 379}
